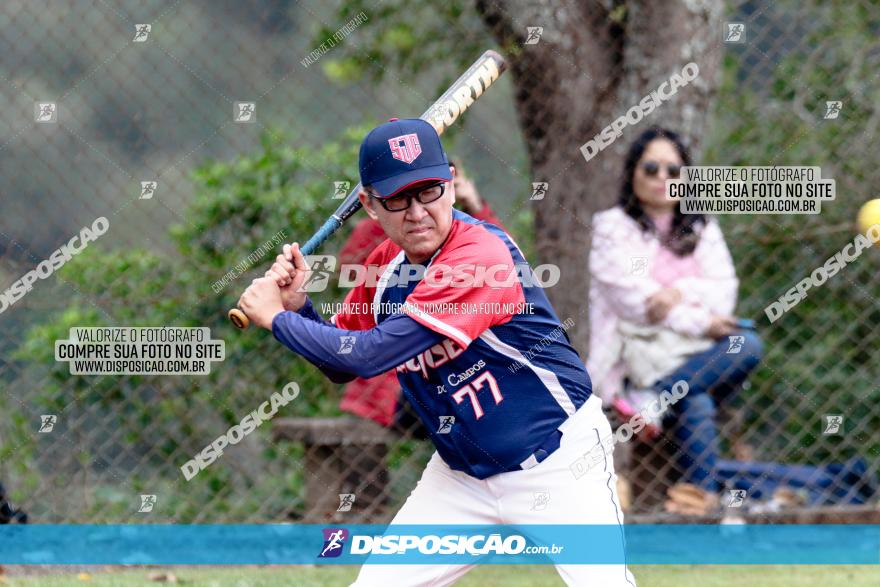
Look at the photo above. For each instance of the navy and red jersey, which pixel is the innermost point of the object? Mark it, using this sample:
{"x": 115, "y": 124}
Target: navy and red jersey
{"x": 377, "y": 398}
{"x": 503, "y": 376}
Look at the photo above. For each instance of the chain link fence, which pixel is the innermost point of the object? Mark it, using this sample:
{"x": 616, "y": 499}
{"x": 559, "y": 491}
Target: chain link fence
{"x": 204, "y": 132}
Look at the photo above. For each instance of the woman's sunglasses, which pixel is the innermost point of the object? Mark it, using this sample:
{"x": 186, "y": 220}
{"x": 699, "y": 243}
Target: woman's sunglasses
{"x": 652, "y": 168}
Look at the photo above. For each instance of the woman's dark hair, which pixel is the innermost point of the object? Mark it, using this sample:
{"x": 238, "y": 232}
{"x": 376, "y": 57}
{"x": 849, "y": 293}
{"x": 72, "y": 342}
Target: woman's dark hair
{"x": 685, "y": 232}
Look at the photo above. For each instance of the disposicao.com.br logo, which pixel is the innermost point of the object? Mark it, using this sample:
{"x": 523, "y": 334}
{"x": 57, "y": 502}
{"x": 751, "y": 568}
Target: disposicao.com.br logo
{"x": 334, "y": 542}
{"x": 450, "y": 544}
{"x": 441, "y": 275}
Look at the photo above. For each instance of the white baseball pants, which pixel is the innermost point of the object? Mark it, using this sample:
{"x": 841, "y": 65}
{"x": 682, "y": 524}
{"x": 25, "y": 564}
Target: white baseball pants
{"x": 444, "y": 496}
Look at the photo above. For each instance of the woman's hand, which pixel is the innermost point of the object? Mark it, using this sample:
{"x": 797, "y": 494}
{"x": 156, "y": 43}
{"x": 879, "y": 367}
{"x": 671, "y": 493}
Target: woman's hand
{"x": 659, "y": 304}
{"x": 721, "y": 326}
{"x": 466, "y": 194}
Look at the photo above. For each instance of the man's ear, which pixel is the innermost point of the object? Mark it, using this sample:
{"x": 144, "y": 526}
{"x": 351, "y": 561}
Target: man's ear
{"x": 367, "y": 203}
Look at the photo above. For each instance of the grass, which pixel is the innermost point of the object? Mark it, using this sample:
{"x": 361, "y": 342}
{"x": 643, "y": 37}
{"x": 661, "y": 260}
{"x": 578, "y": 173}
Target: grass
{"x": 486, "y": 576}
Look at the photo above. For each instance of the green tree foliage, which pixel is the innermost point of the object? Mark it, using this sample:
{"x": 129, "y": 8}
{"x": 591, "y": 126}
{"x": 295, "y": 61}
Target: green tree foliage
{"x": 819, "y": 356}
{"x": 239, "y": 205}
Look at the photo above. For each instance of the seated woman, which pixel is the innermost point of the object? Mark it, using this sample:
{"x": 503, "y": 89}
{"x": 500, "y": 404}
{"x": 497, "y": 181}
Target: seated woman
{"x": 662, "y": 296}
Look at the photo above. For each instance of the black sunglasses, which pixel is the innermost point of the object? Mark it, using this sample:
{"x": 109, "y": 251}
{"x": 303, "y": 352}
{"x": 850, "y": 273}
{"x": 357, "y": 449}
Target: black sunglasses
{"x": 652, "y": 168}
{"x": 425, "y": 195}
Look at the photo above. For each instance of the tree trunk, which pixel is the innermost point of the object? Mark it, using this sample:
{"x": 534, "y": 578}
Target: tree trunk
{"x": 593, "y": 62}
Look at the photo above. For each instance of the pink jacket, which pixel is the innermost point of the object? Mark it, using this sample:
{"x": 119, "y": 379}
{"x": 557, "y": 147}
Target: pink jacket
{"x": 622, "y": 261}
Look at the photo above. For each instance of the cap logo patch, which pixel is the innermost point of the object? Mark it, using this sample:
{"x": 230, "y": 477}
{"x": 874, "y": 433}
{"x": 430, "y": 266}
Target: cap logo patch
{"x": 405, "y": 148}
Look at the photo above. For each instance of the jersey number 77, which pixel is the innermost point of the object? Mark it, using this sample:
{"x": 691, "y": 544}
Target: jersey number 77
{"x": 473, "y": 387}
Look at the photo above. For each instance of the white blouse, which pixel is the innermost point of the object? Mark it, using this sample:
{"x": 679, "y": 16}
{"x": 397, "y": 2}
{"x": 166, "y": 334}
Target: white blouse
{"x": 622, "y": 260}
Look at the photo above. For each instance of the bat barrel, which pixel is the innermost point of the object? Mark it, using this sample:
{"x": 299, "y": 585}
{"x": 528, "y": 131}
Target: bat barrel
{"x": 469, "y": 86}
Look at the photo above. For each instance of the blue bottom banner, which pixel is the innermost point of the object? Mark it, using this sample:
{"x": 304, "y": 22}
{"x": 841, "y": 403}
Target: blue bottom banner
{"x": 296, "y": 544}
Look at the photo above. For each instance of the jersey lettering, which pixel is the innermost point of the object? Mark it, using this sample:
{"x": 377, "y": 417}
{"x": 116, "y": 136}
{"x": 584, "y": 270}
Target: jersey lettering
{"x": 439, "y": 354}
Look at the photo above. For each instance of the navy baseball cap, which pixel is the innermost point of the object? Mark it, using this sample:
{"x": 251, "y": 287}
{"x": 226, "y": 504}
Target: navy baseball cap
{"x": 400, "y": 153}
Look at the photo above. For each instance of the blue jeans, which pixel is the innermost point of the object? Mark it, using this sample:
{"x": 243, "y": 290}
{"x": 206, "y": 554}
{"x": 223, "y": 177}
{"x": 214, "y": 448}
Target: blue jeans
{"x": 717, "y": 374}
{"x": 851, "y": 482}
{"x": 713, "y": 373}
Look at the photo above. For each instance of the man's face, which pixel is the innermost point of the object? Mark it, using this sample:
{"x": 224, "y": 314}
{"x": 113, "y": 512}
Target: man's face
{"x": 420, "y": 229}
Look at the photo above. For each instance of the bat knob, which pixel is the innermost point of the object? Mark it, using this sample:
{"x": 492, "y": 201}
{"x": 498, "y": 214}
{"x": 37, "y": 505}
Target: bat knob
{"x": 238, "y": 318}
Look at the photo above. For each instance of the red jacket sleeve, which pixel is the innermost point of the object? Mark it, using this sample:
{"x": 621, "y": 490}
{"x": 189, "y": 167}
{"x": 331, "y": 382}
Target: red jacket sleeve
{"x": 486, "y": 214}
{"x": 357, "y": 309}
{"x": 366, "y": 236}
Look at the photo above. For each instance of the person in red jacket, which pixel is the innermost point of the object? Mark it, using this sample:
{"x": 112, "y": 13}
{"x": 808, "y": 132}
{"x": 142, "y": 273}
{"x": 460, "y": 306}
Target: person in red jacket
{"x": 378, "y": 398}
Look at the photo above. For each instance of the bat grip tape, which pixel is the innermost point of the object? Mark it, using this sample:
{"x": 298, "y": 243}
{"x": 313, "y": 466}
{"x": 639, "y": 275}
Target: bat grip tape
{"x": 330, "y": 226}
